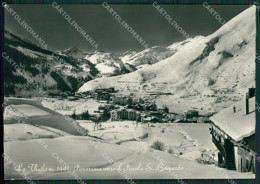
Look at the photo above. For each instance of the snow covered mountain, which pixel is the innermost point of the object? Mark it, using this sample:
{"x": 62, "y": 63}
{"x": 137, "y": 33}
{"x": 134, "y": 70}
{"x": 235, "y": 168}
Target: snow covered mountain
{"x": 126, "y": 55}
{"x": 221, "y": 63}
{"x": 54, "y": 71}
{"x": 148, "y": 56}
{"x": 108, "y": 64}
{"x": 74, "y": 52}
{"x": 47, "y": 71}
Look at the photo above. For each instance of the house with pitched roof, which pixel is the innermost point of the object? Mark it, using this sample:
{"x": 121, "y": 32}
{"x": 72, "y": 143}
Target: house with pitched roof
{"x": 233, "y": 133}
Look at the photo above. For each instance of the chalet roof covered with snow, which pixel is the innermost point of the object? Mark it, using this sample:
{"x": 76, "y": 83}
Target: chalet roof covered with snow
{"x": 237, "y": 125}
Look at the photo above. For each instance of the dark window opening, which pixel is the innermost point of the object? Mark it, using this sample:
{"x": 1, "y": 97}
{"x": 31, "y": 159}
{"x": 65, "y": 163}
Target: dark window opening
{"x": 247, "y": 164}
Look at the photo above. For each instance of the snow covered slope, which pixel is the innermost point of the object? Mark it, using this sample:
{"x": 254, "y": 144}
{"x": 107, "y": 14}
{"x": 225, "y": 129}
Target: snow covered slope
{"x": 126, "y": 55}
{"x": 201, "y": 66}
{"x": 148, "y": 56}
{"x": 49, "y": 70}
{"x": 53, "y": 71}
{"x": 107, "y": 63}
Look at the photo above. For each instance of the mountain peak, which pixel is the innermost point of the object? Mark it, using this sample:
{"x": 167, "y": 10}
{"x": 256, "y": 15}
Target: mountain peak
{"x": 74, "y": 52}
{"x": 199, "y": 67}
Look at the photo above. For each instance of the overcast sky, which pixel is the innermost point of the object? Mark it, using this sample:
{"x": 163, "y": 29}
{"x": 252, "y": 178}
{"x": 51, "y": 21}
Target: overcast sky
{"x": 107, "y": 32}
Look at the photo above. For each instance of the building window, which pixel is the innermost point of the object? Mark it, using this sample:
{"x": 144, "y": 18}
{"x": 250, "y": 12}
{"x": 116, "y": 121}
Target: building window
{"x": 247, "y": 164}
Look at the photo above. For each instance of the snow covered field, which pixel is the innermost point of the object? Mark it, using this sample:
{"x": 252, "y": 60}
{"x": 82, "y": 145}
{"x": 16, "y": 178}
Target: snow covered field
{"x": 66, "y": 107}
{"x": 91, "y": 163}
{"x": 187, "y": 141}
{"x": 118, "y": 150}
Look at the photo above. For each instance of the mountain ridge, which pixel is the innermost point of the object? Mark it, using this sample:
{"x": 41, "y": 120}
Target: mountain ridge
{"x": 201, "y": 64}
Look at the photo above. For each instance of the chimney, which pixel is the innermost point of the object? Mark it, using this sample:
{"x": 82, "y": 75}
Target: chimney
{"x": 247, "y": 103}
{"x": 251, "y": 92}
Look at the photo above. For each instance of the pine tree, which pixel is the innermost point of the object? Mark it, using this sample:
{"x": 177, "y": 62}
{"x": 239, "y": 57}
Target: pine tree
{"x": 85, "y": 115}
{"x": 73, "y": 116}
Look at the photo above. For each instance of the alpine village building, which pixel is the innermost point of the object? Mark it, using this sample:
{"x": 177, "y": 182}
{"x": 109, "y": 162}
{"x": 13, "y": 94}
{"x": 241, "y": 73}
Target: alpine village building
{"x": 123, "y": 114}
{"x": 233, "y": 133}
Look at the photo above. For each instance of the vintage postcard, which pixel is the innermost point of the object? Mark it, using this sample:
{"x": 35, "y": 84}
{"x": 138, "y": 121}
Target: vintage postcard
{"x": 120, "y": 91}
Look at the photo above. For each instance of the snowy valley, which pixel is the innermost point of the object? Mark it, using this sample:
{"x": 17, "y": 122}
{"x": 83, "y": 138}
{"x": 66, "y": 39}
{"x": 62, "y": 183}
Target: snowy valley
{"x": 147, "y": 114}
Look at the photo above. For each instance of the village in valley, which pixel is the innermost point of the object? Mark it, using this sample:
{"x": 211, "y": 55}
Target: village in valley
{"x": 112, "y": 107}
{"x": 116, "y": 107}
{"x": 185, "y": 110}
{"x": 139, "y": 125}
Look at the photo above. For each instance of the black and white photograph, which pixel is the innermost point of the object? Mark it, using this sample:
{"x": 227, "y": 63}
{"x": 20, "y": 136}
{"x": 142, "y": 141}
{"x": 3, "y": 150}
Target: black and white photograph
{"x": 129, "y": 91}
